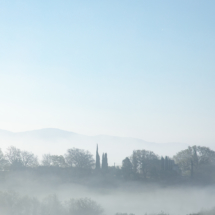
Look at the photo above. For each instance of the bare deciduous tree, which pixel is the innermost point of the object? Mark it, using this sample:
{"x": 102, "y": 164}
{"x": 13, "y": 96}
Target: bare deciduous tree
{"x": 79, "y": 158}
{"x": 16, "y": 157}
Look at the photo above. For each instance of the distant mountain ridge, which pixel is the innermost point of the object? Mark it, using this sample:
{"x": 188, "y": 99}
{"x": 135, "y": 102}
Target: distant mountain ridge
{"x": 57, "y": 141}
{"x": 39, "y": 132}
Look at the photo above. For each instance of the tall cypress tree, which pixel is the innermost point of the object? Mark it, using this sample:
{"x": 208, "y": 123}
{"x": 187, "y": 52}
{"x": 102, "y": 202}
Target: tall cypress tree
{"x": 97, "y": 158}
{"x": 106, "y": 161}
{"x": 103, "y": 161}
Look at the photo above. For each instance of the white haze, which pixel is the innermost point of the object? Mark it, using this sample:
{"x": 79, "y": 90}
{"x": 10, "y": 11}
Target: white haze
{"x": 56, "y": 141}
{"x": 129, "y": 197}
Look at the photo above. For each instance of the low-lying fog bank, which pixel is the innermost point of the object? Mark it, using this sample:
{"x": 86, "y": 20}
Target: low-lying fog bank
{"x": 127, "y": 198}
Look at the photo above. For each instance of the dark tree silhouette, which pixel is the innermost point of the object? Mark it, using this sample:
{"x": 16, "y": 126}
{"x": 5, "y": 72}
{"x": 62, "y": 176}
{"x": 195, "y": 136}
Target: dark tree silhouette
{"x": 104, "y": 162}
{"x": 196, "y": 162}
{"x": 97, "y": 159}
{"x": 127, "y": 168}
{"x": 17, "y": 158}
{"x": 79, "y": 158}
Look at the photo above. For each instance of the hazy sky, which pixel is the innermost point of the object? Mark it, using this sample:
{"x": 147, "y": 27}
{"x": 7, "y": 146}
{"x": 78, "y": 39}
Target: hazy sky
{"x": 142, "y": 69}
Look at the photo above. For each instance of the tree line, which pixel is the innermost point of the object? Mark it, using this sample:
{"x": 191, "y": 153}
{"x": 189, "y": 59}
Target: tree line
{"x": 195, "y": 164}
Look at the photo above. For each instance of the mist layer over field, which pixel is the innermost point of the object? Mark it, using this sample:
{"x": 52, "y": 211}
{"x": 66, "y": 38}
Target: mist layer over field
{"x": 128, "y": 197}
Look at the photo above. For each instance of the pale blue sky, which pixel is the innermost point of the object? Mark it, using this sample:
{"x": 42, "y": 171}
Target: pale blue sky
{"x": 142, "y": 69}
